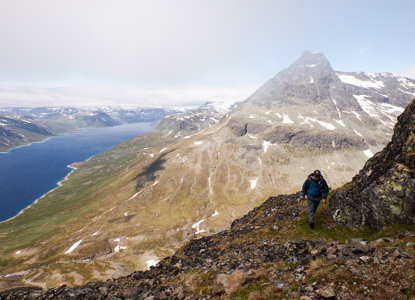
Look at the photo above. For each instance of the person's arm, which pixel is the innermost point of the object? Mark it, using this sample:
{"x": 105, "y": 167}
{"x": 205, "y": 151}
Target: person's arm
{"x": 304, "y": 189}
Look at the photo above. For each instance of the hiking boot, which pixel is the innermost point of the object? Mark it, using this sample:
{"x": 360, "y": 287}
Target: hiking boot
{"x": 311, "y": 225}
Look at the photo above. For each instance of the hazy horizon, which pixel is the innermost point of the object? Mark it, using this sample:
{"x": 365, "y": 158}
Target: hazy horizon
{"x": 185, "y": 52}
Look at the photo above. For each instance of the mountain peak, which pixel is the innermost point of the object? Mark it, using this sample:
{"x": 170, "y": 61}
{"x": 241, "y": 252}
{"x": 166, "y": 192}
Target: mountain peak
{"x": 312, "y": 59}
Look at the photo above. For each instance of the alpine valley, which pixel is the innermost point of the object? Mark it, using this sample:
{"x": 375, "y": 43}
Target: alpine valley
{"x": 128, "y": 208}
{"x": 20, "y": 126}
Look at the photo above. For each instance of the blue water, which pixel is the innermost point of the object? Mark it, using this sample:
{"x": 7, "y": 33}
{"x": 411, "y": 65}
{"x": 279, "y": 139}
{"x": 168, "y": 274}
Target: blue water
{"x": 29, "y": 172}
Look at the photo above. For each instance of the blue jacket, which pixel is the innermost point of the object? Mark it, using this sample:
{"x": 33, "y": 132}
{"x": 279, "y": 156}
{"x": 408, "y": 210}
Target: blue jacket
{"x": 315, "y": 190}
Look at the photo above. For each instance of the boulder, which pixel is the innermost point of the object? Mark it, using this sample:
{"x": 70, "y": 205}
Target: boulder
{"x": 326, "y": 292}
{"x": 229, "y": 283}
{"x": 384, "y": 190}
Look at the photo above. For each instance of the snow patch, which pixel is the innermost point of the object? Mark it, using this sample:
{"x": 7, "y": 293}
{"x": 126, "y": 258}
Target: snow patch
{"x": 135, "y": 195}
{"x": 197, "y": 226}
{"x": 118, "y": 248}
{"x": 74, "y": 246}
{"x": 368, "y": 153}
{"x": 406, "y": 82}
{"x": 329, "y": 126}
{"x": 278, "y": 115}
{"x": 311, "y": 65}
{"x": 216, "y": 213}
{"x": 126, "y": 214}
{"x": 338, "y": 110}
{"x": 198, "y": 143}
{"x": 391, "y": 109}
{"x": 151, "y": 263}
{"x": 253, "y": 183}
{"x": 308, "y": 120}
{"x": 358, "y": 133}
{"x": 164, "y": 149}
{"x": 266, "y": 144}
{"x": 251, "y": 136}
{"x": 340, "y": 122}
{"x": 155, "y": 183}
{"x": 350, "y": 79}
{"x": 187, "y": 137}
{"x": 151, "y": 155}
{"x": 367, "y": 105}
{"x": 267, "y": 112}
{"x": 18, "y": 252}
{"x": 311, "y": 80}
{"x": 117, "y": 240}
{"x": 95, "y": 233}
{"x": 356, "y": 115}
{"x": 286, "y": 119}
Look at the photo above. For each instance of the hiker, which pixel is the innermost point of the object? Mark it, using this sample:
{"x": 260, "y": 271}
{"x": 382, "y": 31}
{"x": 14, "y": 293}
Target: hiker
{"x": 315, "y": 188}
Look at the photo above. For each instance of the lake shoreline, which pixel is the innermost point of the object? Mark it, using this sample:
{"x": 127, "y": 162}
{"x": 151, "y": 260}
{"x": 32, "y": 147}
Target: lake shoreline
{"x": 58, "y": 185}
{"x": 27, "y": 145}
{"x": 95, "y": 136}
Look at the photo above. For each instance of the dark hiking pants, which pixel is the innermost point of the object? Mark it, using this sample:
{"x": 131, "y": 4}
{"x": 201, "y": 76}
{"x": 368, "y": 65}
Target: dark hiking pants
{"x": 312, "y": 207}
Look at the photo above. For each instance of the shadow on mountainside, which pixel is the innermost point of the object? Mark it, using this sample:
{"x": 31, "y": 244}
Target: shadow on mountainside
{"x": 149, "y": 173}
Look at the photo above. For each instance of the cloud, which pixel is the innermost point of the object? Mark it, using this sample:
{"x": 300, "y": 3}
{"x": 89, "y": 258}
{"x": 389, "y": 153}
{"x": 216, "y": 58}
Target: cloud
{"x": 364, "y": 50}
{"x": 410, "y": 72}
{"x": 17, "y": 96}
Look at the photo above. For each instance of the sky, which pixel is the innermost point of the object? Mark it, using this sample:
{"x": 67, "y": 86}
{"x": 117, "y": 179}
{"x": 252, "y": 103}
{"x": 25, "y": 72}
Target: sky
{"x": 185, "y": 52}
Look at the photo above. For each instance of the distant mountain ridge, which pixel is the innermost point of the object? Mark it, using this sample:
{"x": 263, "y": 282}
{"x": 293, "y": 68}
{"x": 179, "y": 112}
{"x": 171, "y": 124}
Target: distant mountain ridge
{"x": 21, "y": 126}
{"x": 194, "y": 120}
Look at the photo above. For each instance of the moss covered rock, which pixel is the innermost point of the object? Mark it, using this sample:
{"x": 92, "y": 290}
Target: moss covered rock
{"x": 384, "y": 190}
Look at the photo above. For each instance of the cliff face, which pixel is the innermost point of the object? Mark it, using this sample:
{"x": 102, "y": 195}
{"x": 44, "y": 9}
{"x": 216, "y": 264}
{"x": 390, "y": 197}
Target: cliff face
{"x": 384, "y": 190}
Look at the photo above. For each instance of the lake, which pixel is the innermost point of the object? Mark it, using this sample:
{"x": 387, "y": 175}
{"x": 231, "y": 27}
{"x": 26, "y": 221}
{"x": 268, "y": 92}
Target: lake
{"x": 28, "y": 172}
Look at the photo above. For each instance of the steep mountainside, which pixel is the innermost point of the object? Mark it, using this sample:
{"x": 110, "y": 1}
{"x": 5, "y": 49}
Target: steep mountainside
{"x": 128, "y": 208}
{"x": 384, "y": 190}
{"x": 19, "y": 131}
{"x": 311, "y": 105}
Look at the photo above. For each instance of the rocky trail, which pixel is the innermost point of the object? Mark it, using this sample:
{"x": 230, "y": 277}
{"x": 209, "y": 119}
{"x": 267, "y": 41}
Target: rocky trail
{"x": 256, "y": 259}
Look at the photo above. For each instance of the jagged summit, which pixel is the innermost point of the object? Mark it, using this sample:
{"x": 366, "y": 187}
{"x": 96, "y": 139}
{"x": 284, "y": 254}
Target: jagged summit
{"x": 384, "y": 190}
{"x": 310, "y": 60}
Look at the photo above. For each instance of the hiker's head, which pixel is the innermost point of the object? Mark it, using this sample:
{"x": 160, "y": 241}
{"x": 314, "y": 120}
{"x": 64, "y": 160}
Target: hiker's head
{"x": 317, "y": 174}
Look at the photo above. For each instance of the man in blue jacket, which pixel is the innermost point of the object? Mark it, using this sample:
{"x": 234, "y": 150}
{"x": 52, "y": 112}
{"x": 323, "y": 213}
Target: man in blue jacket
{"x": 315, "y": 188}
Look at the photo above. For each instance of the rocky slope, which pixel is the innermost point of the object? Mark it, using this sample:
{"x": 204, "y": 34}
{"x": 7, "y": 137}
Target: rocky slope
{"x": 384, "y": 190}
{"x": 128, "y": 208}
{"x": 269, "y": 253}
